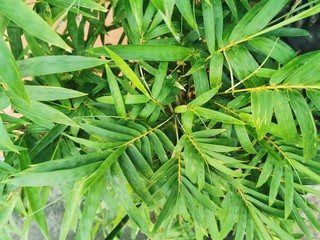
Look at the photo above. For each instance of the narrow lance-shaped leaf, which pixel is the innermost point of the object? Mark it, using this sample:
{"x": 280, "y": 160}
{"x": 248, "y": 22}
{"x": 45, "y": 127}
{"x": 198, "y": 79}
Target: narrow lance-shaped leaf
{"x": 209, "y": 24}
{"x": 127, "y": 71}
{"x": 5, "y": 142}
{"x": 9, "y": 73}
{"x": 115, "y": 93}
{"x": 284, "y": 116}
{"x": 306, "y": 123}
{"x": 46, "y": 93}
{"x": 262, "y": 110}
{"x": 20, "y": 13}
{"x": 186, "y": 11}
{"x": 142, "y": 52}
{"x": 71, "y": 206}
{"x": 56, "y": 64}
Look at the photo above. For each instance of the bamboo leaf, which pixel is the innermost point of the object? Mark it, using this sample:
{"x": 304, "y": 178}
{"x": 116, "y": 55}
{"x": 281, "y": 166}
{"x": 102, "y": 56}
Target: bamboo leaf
{"x": 71, "y": 206}
{"x": 284, "y": 116}
{"x": 142, "y": 52}
{"x": 41, "y": 113}
{"x": 215, "y": 115}
{"x": 127, "y": 71}
{"x": 9, "y": 73}
{"x": 55, "y": 64}
{"x": 262, "y": 111}
{"x": 306, "y": 123}
{"x": 289, "y": 191}
{"x": 256, "y": 18}
{"x": 167, "y": 211}
{"x": 134, "y": 179}
{"x": 46, "y": 93}
{"x": 19, "y": 12}
{"x": 116, "y": 94}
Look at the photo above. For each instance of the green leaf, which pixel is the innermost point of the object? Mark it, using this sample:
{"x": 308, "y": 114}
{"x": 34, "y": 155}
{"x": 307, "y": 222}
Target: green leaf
{"x": 90, "y": 208}
{"x": 216, "y": 70}
{"x": 262, "y": 111}
{"x": 37, "y": 208}
{"x": 116, "y": 94}
{"x": 306, "y": 123}
{"x": 217, "y": 116}
{"x": 167, "y": 210}
{"x": 256, "y": 18}
{"x": 41, "y": 113}
{"x": 33, "y": 179}
{"x": 20, "y": 13}
{"x": 292, "y": 66}
{"x": 9, "y": 73}
{"x": 209, "y": 25}
{"x": 103, "y": 168}
{"x": 5, "y": 142}
{"x": 128, "y": 99}
{"x": 7, "y": 209}
{"x": 135, "y": 181}
{"x": 142, "y": 52}
{"x": 284, "y": 116}
{"x": 46, "y": 93}
{"x": 244, "y": 139}
{"x": 203, "y": 98}
{"x": 281, "y": 51}
{"x": 266, "y": 171}
{"x": 187, "y": 13}
{"x": 89, "y": 4}
{"x": 314, "y": 96}
{"x": 275, "y": 182}
{"x": 127, "y": 71}
{"x": 70, "y": 209}
{"x": 289, "y": 191}
{"x": 55, "y": 64}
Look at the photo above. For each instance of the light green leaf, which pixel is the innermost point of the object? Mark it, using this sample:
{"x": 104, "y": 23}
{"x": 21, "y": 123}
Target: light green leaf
{"x": 41, "y": 113}
{"x": 72, "y": 204}
{"x": 9, "y": 73}
{"x": 314, "y": 95}
{"x": 187, "y": 13}
{"x": 217, "y": 116}
{"x": 5, "y": 142}
{"x": 209, "y": 25}
{"x": 127, "y": 71}
{"x": 293, "y": 66}
{"x": 244, "y": 139}
{"x": 134, "y": 179}
{"x": 216, "y": 69}
{"x": 90, "y": 208}
{"x": 89, "y": 4}
{"x": 167, "y": 210}
{"x": 142, "y": 52}
{"x": 266, "y": 171}
{"x": 105, "y": 165}
{"x": 262, "y": 111}
{"x": 116, "y": 94}
{"x": 203, "y": 98}
{"x": 289, "y": 190}
{"x": 128, "y": 99}
{"x": 20, "y": 13}
{"x": 37, "y": 208}
{"x": 284, "y": 116}
{"x": 46, "y": 93}
{"x": 281, "y": 51}
{"x": 275, "y": 182}
{"x": 44, "y": 65}
{"x": 306, "y": 123}
{"x": 33, "y": 179}
{"x": 256, "y": 18}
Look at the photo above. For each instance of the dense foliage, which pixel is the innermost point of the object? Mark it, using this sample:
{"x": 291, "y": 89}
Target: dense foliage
{"x": 203, "y": 125}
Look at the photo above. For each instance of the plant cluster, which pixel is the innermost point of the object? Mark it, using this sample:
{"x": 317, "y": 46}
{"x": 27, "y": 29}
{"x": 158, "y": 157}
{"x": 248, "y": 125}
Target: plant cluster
{"x": 204, "y": 125}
